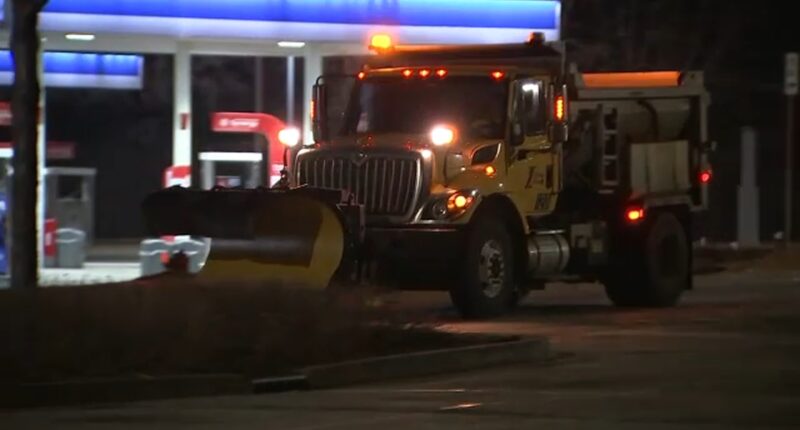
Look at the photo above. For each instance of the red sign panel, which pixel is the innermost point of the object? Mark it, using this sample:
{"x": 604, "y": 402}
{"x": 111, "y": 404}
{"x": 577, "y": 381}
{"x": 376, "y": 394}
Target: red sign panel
{"x": 248, "y": 122}
{"x": 5, "y": 114}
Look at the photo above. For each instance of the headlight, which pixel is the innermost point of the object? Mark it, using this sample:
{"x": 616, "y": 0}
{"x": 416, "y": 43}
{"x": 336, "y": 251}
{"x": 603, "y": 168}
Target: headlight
{"x": 451, "y": 205}
{"x": 289, "y": 136}
{"x": 442, "y": 135}
{"x": 459, "y": 202}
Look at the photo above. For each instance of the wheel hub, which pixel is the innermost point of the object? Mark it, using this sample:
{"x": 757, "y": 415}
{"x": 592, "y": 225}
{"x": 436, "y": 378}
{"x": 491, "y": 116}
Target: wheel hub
{"x": 491, "y": 270}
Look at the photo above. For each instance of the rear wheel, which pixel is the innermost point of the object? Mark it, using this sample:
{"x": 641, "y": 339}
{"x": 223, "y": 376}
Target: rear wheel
{"x": 656, "y": 268}
{"x": 487, "y": 285}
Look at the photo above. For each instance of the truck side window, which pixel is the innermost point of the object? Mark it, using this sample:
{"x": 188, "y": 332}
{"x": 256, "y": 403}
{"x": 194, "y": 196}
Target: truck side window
{"x": 532, "y": 103}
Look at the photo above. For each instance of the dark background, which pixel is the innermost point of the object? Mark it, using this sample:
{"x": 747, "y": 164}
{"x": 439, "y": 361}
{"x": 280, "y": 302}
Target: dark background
{"x": 127, "y": 135}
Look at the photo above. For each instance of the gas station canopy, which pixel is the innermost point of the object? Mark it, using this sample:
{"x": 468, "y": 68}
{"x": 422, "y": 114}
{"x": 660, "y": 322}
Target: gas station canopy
{"x": 346, "y": 21}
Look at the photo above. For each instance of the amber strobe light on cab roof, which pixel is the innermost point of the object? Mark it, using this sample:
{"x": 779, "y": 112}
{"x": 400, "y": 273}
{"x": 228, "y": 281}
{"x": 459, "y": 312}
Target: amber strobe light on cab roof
{"x": 380, "y": 42}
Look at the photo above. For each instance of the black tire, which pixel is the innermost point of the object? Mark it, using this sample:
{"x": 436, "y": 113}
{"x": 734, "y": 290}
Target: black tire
{"x": 487, "y": 286}
{"x": 656, "y": 269}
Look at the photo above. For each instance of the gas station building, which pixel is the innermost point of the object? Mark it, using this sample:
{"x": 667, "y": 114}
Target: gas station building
{"x": 103, "y": 43}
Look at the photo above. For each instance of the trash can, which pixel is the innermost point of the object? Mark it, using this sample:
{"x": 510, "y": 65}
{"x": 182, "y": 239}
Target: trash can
{"x": 152, "y": 253}
{"x": 70, "y": 248}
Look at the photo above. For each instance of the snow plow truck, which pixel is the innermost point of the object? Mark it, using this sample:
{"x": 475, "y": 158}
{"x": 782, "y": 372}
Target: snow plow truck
{"x": 486, "y": 171}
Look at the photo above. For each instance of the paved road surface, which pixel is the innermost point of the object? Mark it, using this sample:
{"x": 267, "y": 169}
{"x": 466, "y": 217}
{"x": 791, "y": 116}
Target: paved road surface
{"x": 728, "y": 358}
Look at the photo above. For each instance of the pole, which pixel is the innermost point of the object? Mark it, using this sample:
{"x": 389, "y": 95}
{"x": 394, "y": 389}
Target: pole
{"x": 290, "y": 89}
{"x": 789, "y": 169}
{"x": 25, "y": 48}
{"x": 260, "y": 172}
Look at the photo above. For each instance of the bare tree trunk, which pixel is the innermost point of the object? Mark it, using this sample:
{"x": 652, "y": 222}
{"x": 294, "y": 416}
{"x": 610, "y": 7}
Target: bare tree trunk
{"x": 25, "y": 111}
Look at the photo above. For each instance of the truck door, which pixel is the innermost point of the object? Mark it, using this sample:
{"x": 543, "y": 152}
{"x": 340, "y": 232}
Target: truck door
{"x": 533, "y": 165}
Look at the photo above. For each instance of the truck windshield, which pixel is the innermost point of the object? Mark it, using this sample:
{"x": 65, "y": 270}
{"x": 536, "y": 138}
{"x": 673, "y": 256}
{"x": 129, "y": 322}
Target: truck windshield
{"x": 476, "y": 105}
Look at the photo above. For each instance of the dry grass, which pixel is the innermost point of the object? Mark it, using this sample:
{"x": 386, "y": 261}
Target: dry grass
{"x": 183, "y": 326}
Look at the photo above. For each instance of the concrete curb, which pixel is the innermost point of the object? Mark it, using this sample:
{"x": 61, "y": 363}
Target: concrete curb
{"x": 416, "y": 364}
{"x": 121, "y": 390}
{"x": 427, "y": 363}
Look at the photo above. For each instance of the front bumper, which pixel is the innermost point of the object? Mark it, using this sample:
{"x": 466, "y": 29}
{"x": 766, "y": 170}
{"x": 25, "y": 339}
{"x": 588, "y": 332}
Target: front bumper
{"x": 420, "y": 258}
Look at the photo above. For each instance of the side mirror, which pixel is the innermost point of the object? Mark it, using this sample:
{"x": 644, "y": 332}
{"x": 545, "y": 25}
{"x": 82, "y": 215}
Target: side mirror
{"x": 319, "y": 100}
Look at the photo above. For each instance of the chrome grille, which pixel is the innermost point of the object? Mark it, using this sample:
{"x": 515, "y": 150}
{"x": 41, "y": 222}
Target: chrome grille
{"x": 386, "y": 185}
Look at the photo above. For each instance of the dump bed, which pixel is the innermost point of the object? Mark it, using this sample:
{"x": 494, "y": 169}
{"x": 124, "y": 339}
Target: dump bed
{"x": 641, "y": 132}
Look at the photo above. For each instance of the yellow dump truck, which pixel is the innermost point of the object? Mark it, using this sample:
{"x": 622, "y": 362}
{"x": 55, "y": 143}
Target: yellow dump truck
{"x": 486, "y": 171}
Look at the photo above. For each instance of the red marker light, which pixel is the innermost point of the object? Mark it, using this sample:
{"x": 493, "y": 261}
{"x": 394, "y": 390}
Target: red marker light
{"x": 441, "y": 73}
{"x": 362, "y": 75}
{"x": 705, "y": 176}
{"x": 407, "y": 73}
{"x": 498, "y": 75}
{"x": 634, "y": 215}
{"x": 424, "y": 73}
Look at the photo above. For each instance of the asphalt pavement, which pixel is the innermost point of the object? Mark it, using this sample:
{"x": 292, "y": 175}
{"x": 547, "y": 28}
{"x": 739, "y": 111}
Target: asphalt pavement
{"x": 728, "y": 357}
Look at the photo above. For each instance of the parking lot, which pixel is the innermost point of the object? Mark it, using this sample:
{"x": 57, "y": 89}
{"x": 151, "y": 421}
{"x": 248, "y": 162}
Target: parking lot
{"x": 726, "y": 358}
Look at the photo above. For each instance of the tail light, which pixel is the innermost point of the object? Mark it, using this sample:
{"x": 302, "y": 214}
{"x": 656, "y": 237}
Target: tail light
{"x": 634, "y": 215}
{"x": 705, "y": 176}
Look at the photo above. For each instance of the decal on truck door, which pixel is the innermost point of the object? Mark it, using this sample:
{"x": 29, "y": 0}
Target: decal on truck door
{"x": 533, "y": 178}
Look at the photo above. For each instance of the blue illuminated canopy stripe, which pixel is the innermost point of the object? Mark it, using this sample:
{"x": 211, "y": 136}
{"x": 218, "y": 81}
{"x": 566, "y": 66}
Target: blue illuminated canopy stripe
{"x": 83, "y": 63}
{"x": 83, "y": 70}
{"x": 539, "y": 14}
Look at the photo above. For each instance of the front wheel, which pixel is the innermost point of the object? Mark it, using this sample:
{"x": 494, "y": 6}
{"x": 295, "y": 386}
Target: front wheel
{"x": 656, "y": 270}
{"x": 487, "y": 285}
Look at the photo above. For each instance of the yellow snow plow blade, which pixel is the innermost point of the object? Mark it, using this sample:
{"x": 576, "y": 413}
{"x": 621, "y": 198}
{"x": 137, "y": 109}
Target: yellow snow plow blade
{"x": 294, "y": 236}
